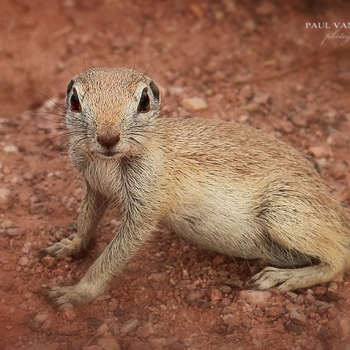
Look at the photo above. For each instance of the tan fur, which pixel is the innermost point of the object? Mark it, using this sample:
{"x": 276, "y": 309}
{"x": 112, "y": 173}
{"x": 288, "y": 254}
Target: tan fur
{"x": 225, "y": 186}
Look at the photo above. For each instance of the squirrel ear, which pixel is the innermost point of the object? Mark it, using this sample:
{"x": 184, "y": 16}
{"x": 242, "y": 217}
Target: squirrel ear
{"x": 154, "y": 89}
{"x": 69, "y": 87}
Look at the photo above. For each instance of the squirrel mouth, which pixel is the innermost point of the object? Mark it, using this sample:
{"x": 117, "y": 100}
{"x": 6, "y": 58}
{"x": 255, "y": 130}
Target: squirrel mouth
{"x": 108, "y": 154}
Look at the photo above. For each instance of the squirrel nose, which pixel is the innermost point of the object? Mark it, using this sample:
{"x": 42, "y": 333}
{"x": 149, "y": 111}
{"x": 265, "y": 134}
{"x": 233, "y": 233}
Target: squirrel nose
{"x": 108, "y": 140}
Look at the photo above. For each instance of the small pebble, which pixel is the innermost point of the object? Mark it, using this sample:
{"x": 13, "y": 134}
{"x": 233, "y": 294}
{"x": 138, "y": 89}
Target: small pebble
{"x": 41, "y": 318}
{"x": 109, "y": 344}
{"x": 300, "y": 120}
{"x": 254, "y": 297}
{"x": 194, "y": 103}
{"x": 6, "y": 198}
{"x": 7, "y": 224}
{"x": 23, "y": 261}
{"x": 26, "y": 247}
{"x": 215, "y": 294}
{"x": 128, "y": 327}
{"x": 13, "y": 232}
{"x": 231, "y": 320}
{"x": 185, "y": 275}
{"x": 11, "y": 149}
{"x": 68, "y": 314}
{"x": 261, "y": 98}
{"x": 344, "y": 327}
{"x": 138, "y": 345}
{"x": 318, "y": 151}
{"x": 68, "y": 330}
{"x": 38, "y": 208}
{"x": 193, "y": 296}
{"x": 158, "y": 277}
{"x": 298, "y": 318}
{"x": 48, "y": 261}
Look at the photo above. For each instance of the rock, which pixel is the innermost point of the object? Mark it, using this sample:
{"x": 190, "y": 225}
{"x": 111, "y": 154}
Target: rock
{"x": 257, "y": 332}
{"x": 215, "y": 294}
{"x": 23, "y": 261}
{"x": 103, "y": 328}
{"x": 37, "y": 208}
{"x": 291, "y": 307}
{"x": 185, "y": 275}
{"x": 261, "y": 98}
{"x": 11, "y": 149}
{"x": 41, "y": 318}
{"x": 333, "y": 287}
{"x": 158, "y": 277}
{"x": 194, "y": 103}
{"x": 108, "y": 344}
{"x": 68, "y": 330}
{"x": 298, "y": 318}
{"x": 193, "y": 296}
{"x": 231, "y": 320}
{"x": 28, "y": 176}
{"x": 65, "y": 306}
{"x": 7, "y": 284}
{"x": 6, "y": 198}
{"x": 103, "y": 298}
{"x": 330, "y": 117}
{"x": 92, "y": 347}
{"x": 246, "y": 92}
{"x": 318, "y": 151}
{"x": 128, "y": 327}
{"x": 225, "y": 289}
{"x": 138, "y": 345}
{"x": 234, "y": 283}
{"x": 14, "y": 232}
{"x": 219, "y": 259}
{"x": 144, "y": 331}
{"x": 68, "y": 313}
{"x": 300, "y": 120}
{"x": 320, "y": 290}
{"x": 176, "y": 90}
{"x": 48, "y": 261}
{"x": 7, "y": 224}
{"x": 255, "y": 297}
{"x": 26, "y": 247}
{"x": 159, "y": 343}
{"x": 33, "y": 325}
{"x": 285, "y": 126}
{"x": 344, "y": 327}
{"x": 27, "y": 295}
{"x": 291, "y": 326}
{"x": 332, "y": 313}
{"x": 340, "y": 171}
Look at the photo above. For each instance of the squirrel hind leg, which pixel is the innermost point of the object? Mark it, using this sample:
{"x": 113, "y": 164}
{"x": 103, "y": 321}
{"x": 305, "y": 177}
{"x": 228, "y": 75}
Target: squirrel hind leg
{"x": 291, "y": 279}
{"x": 281, "y": 256}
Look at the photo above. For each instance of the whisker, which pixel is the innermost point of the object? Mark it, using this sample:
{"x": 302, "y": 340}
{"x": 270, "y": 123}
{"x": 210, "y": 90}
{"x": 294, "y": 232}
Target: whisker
{"x": 54, "y": 103}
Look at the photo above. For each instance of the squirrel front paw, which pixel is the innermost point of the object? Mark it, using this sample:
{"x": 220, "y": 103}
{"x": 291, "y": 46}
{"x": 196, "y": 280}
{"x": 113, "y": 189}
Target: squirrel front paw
{"x": 75, "y": 295}
{"x": 70, "y": 246}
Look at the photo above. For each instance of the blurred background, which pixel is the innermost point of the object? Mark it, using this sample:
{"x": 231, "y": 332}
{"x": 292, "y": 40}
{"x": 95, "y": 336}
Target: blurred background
{"x": 281, "y": 66}
{"x": 202, "y": 44}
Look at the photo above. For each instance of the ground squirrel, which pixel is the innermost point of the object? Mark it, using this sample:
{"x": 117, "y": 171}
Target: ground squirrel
{"x": 225, "y": 186}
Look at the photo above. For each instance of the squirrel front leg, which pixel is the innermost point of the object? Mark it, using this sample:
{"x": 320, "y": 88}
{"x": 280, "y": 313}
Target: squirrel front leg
{"x": 133, "y": 233}
{"x": 93, "y": 207}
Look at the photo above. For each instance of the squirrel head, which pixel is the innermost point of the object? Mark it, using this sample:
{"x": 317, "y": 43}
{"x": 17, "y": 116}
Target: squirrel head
{"x": 110, "y": 112}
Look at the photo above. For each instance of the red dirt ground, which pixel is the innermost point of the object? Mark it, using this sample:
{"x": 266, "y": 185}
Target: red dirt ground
{"x": 172, "y": 295}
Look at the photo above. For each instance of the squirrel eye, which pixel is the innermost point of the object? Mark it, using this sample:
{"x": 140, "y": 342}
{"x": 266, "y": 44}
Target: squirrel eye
{"x": 144, "y": 104}
{"x": 74, "y": 102}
